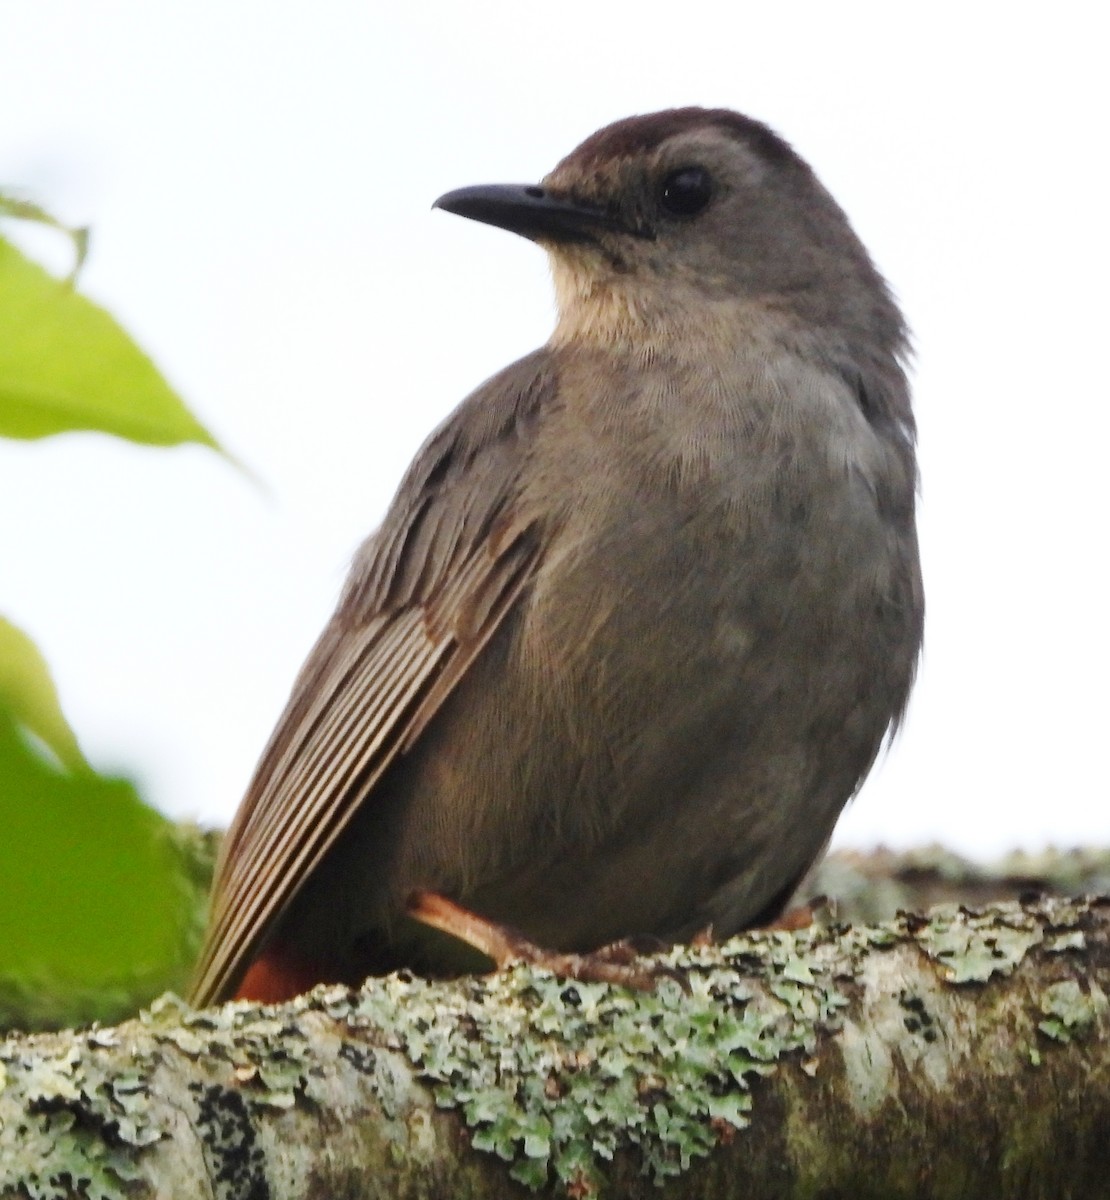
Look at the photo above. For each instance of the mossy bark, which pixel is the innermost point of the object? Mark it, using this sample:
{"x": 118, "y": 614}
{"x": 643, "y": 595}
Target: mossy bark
{"x": 950, "y": 1055}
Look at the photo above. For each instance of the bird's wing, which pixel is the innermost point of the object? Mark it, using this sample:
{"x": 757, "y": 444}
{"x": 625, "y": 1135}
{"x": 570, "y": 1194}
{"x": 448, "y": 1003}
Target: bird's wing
{"x": 427, "y": 592}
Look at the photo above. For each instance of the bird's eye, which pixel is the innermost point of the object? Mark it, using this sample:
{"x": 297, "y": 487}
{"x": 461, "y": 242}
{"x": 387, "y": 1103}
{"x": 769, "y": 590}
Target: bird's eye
{"x": 686, "y": 191}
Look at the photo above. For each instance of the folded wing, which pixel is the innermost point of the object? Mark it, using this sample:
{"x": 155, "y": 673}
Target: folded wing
{"x": 455, "y": 553}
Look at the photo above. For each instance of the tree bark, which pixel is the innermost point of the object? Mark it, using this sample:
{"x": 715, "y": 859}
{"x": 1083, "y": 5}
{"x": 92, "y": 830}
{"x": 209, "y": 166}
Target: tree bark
{"x": 955, "y": 1054}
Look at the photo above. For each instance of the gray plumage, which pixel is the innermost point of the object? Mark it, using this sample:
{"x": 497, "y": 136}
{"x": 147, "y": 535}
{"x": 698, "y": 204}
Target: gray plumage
{"x": 644, "y": 607}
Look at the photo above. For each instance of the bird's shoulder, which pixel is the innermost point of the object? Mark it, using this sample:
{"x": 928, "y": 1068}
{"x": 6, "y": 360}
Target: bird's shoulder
{"x": 460, "y": 494}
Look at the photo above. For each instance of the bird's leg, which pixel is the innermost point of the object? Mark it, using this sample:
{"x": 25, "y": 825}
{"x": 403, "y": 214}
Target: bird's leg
{"x": 615, "y": 963}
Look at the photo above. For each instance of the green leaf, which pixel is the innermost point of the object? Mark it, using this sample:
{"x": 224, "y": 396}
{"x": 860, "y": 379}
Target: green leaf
{"x": 94, "y": 904}
{"x": 28, "y": 210}
{"x": 66, "y": 364}
{"x": 27, "y": 692}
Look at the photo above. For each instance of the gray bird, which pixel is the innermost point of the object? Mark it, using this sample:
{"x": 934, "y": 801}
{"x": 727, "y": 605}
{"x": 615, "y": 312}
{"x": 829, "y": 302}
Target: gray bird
{"x": 642, "y": 611}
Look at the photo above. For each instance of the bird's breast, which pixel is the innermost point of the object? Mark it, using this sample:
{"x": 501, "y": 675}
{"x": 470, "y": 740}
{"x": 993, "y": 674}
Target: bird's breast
{"x": 706, "y": 475}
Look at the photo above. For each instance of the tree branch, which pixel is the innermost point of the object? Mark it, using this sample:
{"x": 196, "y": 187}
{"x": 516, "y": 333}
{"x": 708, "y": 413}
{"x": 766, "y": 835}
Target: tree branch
{"x": 953, "y": 1054}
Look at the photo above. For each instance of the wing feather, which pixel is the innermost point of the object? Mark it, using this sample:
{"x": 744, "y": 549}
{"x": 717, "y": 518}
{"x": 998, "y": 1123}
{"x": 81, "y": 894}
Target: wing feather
{"x": 426, "y": 594}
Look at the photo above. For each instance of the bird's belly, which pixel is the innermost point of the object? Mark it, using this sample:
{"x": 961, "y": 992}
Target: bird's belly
{"x": 652, "y": 766}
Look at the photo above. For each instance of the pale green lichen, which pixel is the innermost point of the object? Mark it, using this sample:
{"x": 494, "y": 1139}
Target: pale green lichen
{"x": 1069, "y": 1012}
{"x": 974, "y": 946}
{"x": 556, "y": 1076}
{"x": 83, "y": 1124}
{"x": 265, "y": 1049}
{"x": 1068, "y": 941}
{"x": 86, "y": 1104}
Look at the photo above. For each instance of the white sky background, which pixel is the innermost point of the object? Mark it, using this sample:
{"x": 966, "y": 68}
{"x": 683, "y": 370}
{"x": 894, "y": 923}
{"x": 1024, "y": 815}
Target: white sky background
{"x": 258, "y": 177}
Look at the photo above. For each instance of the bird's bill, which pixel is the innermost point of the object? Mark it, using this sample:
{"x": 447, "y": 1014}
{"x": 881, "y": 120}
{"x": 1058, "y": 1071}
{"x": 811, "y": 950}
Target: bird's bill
{"x": 530, "y": 210}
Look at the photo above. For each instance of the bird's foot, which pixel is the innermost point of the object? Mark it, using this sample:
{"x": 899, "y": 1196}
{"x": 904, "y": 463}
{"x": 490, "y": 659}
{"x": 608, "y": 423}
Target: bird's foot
{"x": 617, "y": 962}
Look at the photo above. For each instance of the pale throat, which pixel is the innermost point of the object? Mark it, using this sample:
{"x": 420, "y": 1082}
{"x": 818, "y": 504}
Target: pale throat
{"x": 657, "y": 318}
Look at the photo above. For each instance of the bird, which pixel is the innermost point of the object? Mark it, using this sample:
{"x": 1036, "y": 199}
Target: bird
{"x": 642, "y": 613}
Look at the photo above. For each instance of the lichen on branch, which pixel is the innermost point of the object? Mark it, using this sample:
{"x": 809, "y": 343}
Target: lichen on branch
{"x": 784, "y": 1063}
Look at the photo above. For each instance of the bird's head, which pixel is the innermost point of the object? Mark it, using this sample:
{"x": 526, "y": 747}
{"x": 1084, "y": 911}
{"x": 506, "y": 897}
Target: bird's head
{"x": 692, "y": 218}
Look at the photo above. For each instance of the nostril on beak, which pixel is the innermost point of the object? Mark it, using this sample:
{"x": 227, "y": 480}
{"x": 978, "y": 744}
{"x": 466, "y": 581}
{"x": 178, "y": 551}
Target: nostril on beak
{"x": 537, "y": 193}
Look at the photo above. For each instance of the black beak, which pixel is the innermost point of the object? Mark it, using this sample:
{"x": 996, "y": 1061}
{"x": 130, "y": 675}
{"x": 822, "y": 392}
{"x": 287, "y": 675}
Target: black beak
{"x": 531, "y": 211}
